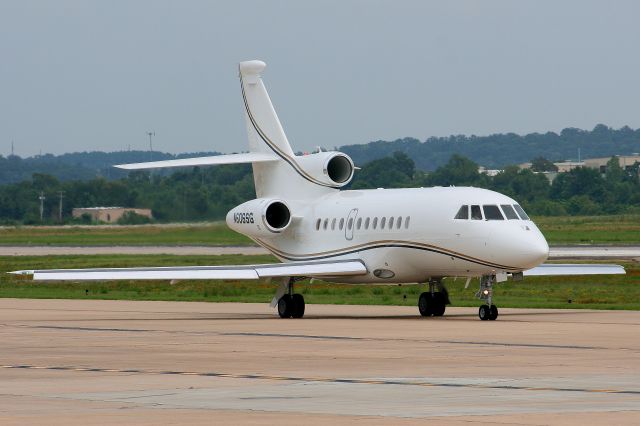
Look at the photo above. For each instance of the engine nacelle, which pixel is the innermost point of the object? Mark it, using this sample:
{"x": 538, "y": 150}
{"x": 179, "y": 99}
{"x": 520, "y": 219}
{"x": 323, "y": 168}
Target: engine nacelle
{"x": 261, "y": 217}
{"x": 333, "y": 168}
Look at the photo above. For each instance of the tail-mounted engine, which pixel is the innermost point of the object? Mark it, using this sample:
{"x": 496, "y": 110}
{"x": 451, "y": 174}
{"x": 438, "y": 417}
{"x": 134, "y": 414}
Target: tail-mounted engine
{"x": 333, "y": 168}
{"x": 260, "y": 218}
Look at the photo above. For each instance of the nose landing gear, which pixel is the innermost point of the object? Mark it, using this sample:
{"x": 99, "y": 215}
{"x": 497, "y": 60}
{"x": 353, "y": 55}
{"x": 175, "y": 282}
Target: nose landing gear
{"x": 432, "y": 302}
{"x": 487, "y": 311}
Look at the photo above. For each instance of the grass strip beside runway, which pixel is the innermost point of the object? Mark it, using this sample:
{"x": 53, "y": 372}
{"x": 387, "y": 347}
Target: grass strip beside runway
{"x": 621, "y": 229}
{"x": 592, "y": 292}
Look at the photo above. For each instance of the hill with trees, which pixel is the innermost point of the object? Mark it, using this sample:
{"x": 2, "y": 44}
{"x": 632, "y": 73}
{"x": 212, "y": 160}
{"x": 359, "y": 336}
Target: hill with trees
{"x": 501, "y": 150}
{"x": 493, "y": 151}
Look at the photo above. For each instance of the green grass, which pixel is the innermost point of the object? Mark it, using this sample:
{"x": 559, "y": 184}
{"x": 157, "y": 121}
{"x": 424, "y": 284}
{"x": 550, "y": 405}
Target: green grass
{"x": 212, "y": 234}
{"x": 558, "y": 230}
{"x": 621, "y": 229}
{"x": 595, "y": 292}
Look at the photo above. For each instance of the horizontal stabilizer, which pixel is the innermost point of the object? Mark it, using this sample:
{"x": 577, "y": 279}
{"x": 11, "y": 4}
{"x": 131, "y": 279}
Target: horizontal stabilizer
{"x": 548, "y": 269}
{"x": 249, "y": 157}
{"x": 237, "y": 272}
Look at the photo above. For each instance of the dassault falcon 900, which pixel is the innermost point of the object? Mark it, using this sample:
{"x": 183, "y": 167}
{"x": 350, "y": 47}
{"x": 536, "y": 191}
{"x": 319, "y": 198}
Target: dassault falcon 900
{"x": 377, "y": 236}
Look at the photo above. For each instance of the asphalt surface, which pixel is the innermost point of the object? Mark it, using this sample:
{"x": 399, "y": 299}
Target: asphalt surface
{"x": 106, "y": 362}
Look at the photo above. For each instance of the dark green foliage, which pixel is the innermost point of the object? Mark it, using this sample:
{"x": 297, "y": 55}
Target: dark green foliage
{"x": 196, "y": 194}
{"x": 500, "y": 150}
{"x": 541, "y": 164}
{"x": 132, "y": 218}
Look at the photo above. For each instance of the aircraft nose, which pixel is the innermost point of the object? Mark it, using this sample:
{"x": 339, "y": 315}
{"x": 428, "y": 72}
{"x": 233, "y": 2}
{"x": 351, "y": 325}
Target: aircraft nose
{"x": 539, "y": 249}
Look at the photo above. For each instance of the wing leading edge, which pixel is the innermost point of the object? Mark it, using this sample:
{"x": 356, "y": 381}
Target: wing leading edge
{"x": 238, "y": 272}
{"x": 549, "y": 269}
{"x": 248, "y": 157}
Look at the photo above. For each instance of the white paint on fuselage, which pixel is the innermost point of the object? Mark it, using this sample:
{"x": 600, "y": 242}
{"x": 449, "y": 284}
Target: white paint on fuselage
{"x": 433, "y": 245}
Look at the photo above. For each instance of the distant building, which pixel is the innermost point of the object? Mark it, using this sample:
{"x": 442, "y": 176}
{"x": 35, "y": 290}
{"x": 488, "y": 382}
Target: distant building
{"x": 108, "y": 214}
{"x": 625, "y": 161}
{"x": 600, "y": 164}
{"x": 489, "y": 172}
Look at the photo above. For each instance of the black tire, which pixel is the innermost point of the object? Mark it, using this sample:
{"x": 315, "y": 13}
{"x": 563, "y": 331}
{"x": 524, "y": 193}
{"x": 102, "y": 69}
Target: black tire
{"x": 439, "y": 304}
{"x": 297, "y": 310}
{"x": 493, "y": 313}
{"x": 425, "y": 304}
{"x": 284, "y": 306}
{"x": 484, "y": 312}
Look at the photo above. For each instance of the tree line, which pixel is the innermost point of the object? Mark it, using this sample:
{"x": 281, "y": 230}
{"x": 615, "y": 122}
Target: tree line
{"x": 208, "y": 193}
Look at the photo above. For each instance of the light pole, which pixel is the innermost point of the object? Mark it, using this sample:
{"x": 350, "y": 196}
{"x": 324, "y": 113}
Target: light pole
{"x": 151, "y": 134}
{"x": 61, "y": 195}
{"x": 41, "y": 198}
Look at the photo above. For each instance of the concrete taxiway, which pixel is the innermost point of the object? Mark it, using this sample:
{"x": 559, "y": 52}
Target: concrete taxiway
{"x": 100, "y": 362}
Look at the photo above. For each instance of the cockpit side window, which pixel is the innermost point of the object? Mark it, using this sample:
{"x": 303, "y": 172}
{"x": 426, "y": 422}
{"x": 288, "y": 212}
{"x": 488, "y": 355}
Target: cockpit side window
{"x": 509, "y": 212}
{"x": 476, "y": 213}
{"x": 463, "y": 213}
{"x": 521, "y": 212}
{"x": 492, "y": 212}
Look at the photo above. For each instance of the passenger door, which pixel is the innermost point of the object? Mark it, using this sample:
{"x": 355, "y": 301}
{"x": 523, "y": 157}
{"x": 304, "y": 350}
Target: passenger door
{"x": 350, "y": 224}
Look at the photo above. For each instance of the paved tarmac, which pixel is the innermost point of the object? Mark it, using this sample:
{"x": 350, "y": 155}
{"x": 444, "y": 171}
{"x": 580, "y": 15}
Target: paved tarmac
{"x": 107, "y": 362}
{"x": 556, "y": 252}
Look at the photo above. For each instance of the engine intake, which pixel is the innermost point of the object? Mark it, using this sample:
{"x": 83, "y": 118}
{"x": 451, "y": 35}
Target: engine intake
{"x": 277, "y": 215}
{"x": 261, "y": 217}
{"x": 333, "y": 168}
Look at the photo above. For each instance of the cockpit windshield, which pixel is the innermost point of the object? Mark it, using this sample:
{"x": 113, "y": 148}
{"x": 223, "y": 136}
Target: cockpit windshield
{"x": 491, "y": 212}
{"x": 521, "y": 212}
{"x": 509, "y": 212}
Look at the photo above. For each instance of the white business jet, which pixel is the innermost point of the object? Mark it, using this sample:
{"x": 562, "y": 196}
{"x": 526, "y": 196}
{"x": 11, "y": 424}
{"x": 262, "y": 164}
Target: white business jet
{"x": 378, "y": 236}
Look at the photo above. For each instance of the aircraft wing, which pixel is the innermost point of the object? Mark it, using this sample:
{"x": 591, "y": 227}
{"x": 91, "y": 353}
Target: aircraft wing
{"x": 574, "y": 269}
{"x": 238, "y": 272}
{"x": 248, "y": 157}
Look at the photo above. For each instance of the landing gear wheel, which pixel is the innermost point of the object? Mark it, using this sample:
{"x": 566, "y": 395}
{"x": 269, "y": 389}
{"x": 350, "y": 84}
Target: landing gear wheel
{"x": 297, "y": 310}
{"x": 425, "y": 304}
{"x": 484, "y": 312}
{"x": 285, "y": 305}
{"x": 432, "y": 304}
{"x": 493, "y": 312}
{"x": 439, "y": 304}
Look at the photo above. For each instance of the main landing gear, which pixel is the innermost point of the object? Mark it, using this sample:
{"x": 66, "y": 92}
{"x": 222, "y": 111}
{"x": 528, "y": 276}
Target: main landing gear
{"x": 487, "y": 311}
{"x": 291, "y": 305}
{"x": 434, "y": 302}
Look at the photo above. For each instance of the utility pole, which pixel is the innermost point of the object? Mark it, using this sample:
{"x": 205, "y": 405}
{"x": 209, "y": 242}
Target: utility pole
{"x": 41, "y": 198}
{"x": 151, "y": 134}
{"x": 61, "y": 195}
{"x": 12, "y": 147}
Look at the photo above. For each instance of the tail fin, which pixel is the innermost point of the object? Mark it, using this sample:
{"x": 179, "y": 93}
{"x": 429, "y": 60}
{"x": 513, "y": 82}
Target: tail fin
{"x": 266, "y": 136}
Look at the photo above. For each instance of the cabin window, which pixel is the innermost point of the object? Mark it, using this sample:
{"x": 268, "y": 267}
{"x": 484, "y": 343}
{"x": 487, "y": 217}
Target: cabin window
{"x": 509, "y": 212}
{"x": 341, "y": 223}
{"x": 463, "y": 213}
{"x": 375, "y": 222}
{"x": 382, "y": 222}
{"x": 492, "y": 212}
{"x": 406, "y": 222}
{"x": 325, "y": 224}
{"x": 318, "y": 224}
{"x": 350, "y": 224}
{"x": 333, "y": 224}
{"x": 521, "y": 212}
{"x": 399, "y": 224}
{"x": 366, "y": 223}
{"x": 359, "y": 223}
{"x": 391, "y": 222}
{"x": 476, "y": 213}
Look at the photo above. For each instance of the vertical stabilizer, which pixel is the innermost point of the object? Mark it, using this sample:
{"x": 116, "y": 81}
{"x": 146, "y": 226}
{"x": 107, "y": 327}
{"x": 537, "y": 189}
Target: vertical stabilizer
{"x": 281, "y": 178}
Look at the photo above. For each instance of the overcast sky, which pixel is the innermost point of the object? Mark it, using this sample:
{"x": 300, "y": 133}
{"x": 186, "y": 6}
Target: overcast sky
{"x": 96, "y": 75}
